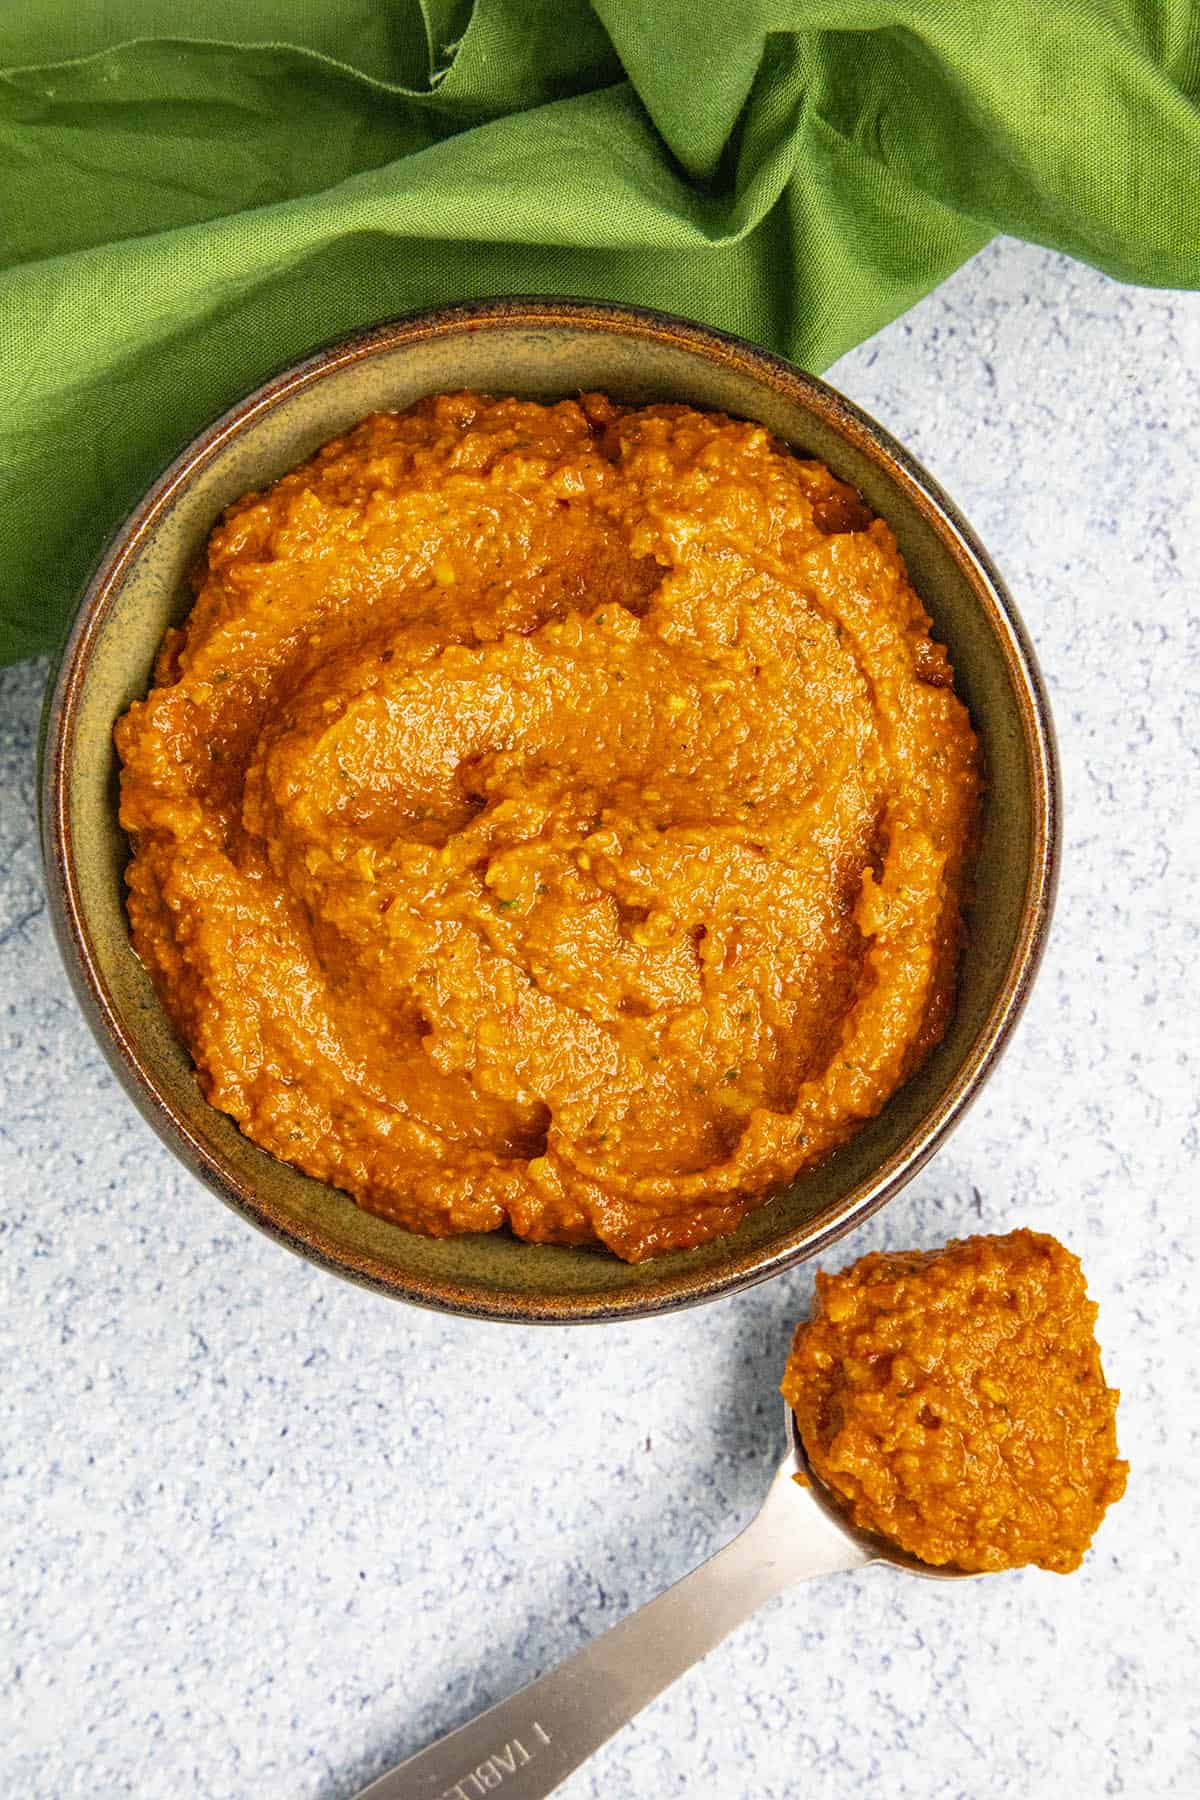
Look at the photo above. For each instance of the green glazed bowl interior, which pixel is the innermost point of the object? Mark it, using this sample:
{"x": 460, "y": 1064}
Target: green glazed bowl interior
{"x": 543, "y": 349}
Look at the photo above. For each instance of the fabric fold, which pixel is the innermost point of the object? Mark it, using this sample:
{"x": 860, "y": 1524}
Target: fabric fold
{"x": 181, "y": 214}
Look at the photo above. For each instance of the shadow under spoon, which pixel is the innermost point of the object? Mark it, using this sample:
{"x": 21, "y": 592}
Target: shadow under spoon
{"x": 529, "y": 1743}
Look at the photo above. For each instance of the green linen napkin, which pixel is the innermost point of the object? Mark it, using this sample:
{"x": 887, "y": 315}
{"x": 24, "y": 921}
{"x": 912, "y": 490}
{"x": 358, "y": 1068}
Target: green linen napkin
{"x": 181, "y": 214}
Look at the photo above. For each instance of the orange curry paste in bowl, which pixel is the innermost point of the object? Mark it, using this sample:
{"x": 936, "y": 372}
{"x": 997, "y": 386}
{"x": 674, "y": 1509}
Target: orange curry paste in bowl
{"x": 552, "y": 816}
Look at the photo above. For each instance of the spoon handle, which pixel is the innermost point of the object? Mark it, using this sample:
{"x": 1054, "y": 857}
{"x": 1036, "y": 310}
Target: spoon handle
{"x": 526, "y": 1745}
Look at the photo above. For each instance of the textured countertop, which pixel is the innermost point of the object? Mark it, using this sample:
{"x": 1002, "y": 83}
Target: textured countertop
{"x": 264, "y": 1534}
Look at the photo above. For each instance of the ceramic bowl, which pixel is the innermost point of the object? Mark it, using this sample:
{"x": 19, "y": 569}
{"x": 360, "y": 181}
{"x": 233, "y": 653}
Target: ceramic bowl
{"x": 544, "y": 349}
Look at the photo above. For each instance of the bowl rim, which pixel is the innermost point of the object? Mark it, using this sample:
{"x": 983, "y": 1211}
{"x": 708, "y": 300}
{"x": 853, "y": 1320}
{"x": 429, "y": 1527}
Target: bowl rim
{"x": 681, "y": 1287}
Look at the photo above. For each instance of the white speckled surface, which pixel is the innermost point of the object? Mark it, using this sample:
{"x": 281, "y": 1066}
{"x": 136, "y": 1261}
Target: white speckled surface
{"x": 263, "y": 1534}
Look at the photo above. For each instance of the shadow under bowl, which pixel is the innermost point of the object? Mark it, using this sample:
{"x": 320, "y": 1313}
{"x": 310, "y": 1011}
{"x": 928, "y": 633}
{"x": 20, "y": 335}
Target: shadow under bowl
{"x": 543, "y": 349}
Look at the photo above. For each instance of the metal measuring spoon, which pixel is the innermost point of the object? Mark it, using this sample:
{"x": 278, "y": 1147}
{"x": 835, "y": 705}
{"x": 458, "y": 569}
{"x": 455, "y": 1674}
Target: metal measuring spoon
{"x": 528, "y": 1744}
